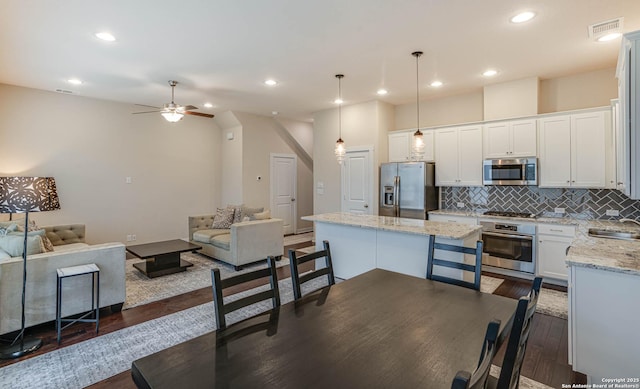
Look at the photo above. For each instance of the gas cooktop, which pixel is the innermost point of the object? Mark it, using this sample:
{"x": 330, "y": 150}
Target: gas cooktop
{"x": 510, "y": 214}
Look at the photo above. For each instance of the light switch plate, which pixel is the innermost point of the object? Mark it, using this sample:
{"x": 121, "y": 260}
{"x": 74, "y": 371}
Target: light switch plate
{"x": 612, "y": 212}
{"x": 558, "y": 210}
{"x": 460, "y": 205}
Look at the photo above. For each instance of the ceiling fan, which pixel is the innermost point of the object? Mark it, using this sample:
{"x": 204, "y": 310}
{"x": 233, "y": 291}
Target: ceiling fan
{"x": 173, "y": 112}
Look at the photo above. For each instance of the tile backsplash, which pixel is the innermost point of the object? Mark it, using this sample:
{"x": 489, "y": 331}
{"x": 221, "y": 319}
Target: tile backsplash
{"x": 578, "y": 203}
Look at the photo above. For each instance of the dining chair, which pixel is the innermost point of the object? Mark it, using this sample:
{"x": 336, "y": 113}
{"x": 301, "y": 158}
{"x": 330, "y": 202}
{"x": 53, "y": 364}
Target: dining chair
{"x": 297, "y": 279}
{"x": 219, "y": 285}
{"x": 476, "y": 268}
{"x": 517, "y": 343}
{"x": 478, "y": 379}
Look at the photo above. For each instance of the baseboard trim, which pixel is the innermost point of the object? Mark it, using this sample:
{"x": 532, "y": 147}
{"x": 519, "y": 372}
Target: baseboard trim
{"x": 304, "y": 230}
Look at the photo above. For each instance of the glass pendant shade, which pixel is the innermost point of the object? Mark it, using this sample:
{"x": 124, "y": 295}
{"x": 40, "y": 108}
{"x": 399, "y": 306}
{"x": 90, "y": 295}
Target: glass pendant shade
{"x": 417, "y": 150}
{"x": 172, "y": 116}
{"x": 340, "y": 151}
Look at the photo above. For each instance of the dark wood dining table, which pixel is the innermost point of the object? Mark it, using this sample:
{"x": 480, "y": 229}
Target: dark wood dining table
{"x": 378, "y": 330}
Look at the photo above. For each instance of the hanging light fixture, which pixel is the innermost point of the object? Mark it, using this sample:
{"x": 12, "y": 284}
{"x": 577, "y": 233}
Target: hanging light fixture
{"x": 417, "y": 151}
{"x": 340, "y": 150}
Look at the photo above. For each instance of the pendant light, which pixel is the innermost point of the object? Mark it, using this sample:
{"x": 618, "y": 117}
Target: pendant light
{"x": 417, "y": 151}
{"x": 340, "y": 150}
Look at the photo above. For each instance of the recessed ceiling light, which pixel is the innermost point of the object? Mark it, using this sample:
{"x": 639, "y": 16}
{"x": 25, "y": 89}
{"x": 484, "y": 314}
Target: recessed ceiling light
{"x": 382, "y": 92}
{"x": 74, "y": 81}
{"x": 609, "y": 37}
{"x": 436, "y": 84}
{"x": 490, "y": 73}
{"x": 270, "y": 82}
{"x": 105, "y": 36}
{"x": 523, "y": 17}
{"x": 208, "y": 105}
{"x": 338, "y": 101}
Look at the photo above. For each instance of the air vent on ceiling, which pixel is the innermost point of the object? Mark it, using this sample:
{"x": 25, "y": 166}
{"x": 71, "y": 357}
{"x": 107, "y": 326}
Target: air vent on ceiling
{"x": 598, "y": 30}
{"x": 64, "y": 91}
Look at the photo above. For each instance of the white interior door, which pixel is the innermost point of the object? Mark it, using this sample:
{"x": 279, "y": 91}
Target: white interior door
{"x": 357, "y": 171}
{"x": 283, "y": 190}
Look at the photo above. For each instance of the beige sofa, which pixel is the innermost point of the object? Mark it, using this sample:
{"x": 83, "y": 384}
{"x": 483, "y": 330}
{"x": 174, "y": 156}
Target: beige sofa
{"x": 243, "y": 243}
{"x": 70, "y": 249}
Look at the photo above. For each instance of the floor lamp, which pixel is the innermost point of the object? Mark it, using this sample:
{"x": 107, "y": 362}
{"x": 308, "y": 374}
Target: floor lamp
{"x": 24, "y": 195}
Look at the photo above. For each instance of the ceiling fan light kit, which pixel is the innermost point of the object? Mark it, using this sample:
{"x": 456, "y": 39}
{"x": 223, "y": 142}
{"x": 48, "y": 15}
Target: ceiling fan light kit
{"x": 173, "y": 112}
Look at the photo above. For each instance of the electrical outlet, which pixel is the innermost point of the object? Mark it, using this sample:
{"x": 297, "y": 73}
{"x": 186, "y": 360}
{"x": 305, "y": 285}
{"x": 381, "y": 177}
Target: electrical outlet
{"x": 460, "y": 205}
{"x": 133, "y": 237}
{"x": 558, "y": 210}
{"x": 127, "y": 180}
{"x": 612, "y": 212}
{"x": 128, "y": 238}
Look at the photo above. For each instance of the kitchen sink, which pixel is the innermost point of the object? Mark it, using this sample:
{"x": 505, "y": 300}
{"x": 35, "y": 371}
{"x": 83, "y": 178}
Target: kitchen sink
{"x": 611, "y": 234}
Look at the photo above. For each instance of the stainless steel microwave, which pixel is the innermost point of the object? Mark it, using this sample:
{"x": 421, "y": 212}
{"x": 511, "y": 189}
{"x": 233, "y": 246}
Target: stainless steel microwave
{"x": 515, "y": 171}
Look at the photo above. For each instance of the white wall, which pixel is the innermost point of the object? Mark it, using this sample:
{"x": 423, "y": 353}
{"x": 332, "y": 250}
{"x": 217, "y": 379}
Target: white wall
{"x": 511, "y": 99}
{"x": 231, "y": 192}
{"x": 91, "y": 145}
{"x": 261, "y": 137}
{"x": 437, "y": 112}
{"x": 302, "y": 132}
{"x": 365, "y": 124}
{"x": 584, "y": 90}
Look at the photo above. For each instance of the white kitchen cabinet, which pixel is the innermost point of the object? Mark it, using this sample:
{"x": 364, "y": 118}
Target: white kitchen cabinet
{"x": 401, "y": 143}
{"x": 603, "y": 323}
{"x": 510, "y": 139}
{"x": 458, "y": 156}
{"x": 553, "y": 241}
{"x": 573, "y": 150}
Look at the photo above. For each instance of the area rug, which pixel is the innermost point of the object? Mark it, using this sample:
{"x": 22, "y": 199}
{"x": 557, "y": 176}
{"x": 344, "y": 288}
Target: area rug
{"x": 553, "y": 303}
{"x": 489, "y": 284}
{"x": 143, "y": 290}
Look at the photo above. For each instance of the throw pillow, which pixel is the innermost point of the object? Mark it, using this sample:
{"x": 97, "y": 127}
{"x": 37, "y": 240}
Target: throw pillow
{"x": 237, "y": 212}
{"x": 223, "y": 218}
{"x": 5, "y": 229}
{"x": 262, "y": 215}
{"x": 47, "y": 246}
{"x": 246, "y": 211}
{"x": 14, "y": 244}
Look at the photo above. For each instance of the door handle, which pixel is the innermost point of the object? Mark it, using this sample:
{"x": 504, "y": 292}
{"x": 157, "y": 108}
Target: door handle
{"x": 292, "y": 199}
{"x": 366, "y": 205}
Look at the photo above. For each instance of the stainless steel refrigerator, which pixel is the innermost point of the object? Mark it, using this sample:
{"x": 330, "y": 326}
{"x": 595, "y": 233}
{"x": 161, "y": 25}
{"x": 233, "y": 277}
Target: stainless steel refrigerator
{"x": 407, "y": 189}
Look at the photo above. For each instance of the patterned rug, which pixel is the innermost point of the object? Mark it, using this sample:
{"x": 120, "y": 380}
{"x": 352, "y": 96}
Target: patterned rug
{"x": 553, "y": 303}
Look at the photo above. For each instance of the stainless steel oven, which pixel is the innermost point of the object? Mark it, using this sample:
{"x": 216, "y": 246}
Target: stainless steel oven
{"x": 509, "y": 245}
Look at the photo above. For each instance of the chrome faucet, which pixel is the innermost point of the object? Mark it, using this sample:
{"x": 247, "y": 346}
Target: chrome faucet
{"x": 629, "y": 220}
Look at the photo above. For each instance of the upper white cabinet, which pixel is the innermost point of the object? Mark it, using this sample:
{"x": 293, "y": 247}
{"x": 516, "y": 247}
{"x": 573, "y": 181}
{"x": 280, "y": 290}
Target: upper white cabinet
{"x": 458, "y": 156}
{"x": 572, "y": 150}
{"x": 510, "y": 139}
{"x": 400, "y": 145}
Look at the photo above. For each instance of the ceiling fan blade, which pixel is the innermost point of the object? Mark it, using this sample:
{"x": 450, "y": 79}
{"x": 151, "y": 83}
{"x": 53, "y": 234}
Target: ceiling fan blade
{"x": 205, "y": 115}
{"x": 189, "y": 107}
{"x": 144, "y": 105}
{"x": 135, "y": 113}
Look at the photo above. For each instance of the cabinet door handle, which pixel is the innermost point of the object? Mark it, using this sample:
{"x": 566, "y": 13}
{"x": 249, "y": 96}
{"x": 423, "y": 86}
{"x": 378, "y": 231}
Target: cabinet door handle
{"x": 554, "y": 230}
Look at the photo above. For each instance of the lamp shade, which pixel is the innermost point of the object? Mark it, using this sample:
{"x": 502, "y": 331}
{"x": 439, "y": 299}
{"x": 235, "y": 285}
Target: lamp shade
{"x": 28, "y": 194}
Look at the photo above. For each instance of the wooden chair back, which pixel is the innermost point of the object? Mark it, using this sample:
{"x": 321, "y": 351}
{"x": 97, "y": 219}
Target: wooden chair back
{"x": 218, "y": 285}
{"x": 478, "y": 379}
{"x": 476, "y": 268}
{"x": 294, "y": 262}
{"x": 517, "y": 344}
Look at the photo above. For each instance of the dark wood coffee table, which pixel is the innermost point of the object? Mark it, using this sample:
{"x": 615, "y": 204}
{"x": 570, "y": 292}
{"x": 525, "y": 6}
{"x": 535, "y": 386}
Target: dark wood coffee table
{"x": 162, "y": 258}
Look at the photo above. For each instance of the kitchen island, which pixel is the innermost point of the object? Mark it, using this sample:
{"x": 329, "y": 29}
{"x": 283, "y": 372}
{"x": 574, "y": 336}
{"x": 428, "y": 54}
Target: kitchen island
{"x": 604, "y": 320}
{"x": 360, "y": 243}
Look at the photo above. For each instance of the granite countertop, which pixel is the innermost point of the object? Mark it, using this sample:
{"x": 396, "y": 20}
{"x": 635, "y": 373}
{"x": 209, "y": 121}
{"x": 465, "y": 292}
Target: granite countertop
{"x": 396, "y": 224}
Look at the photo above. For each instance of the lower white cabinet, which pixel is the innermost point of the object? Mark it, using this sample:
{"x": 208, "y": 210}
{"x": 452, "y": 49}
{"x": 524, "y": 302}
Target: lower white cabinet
{"x": 553, "y": 242}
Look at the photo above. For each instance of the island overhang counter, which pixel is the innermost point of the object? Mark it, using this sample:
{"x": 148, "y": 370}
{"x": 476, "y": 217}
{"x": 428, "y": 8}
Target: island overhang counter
{"x": 360, "y": 243}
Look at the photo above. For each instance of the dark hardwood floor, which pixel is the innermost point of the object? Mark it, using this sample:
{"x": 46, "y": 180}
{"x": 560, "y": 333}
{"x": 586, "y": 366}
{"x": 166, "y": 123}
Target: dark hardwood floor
{"x": 545, "y": 360}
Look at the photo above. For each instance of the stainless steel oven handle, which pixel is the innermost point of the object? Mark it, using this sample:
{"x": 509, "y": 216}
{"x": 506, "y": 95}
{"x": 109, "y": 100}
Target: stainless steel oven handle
{"x": 524, "y": 237}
